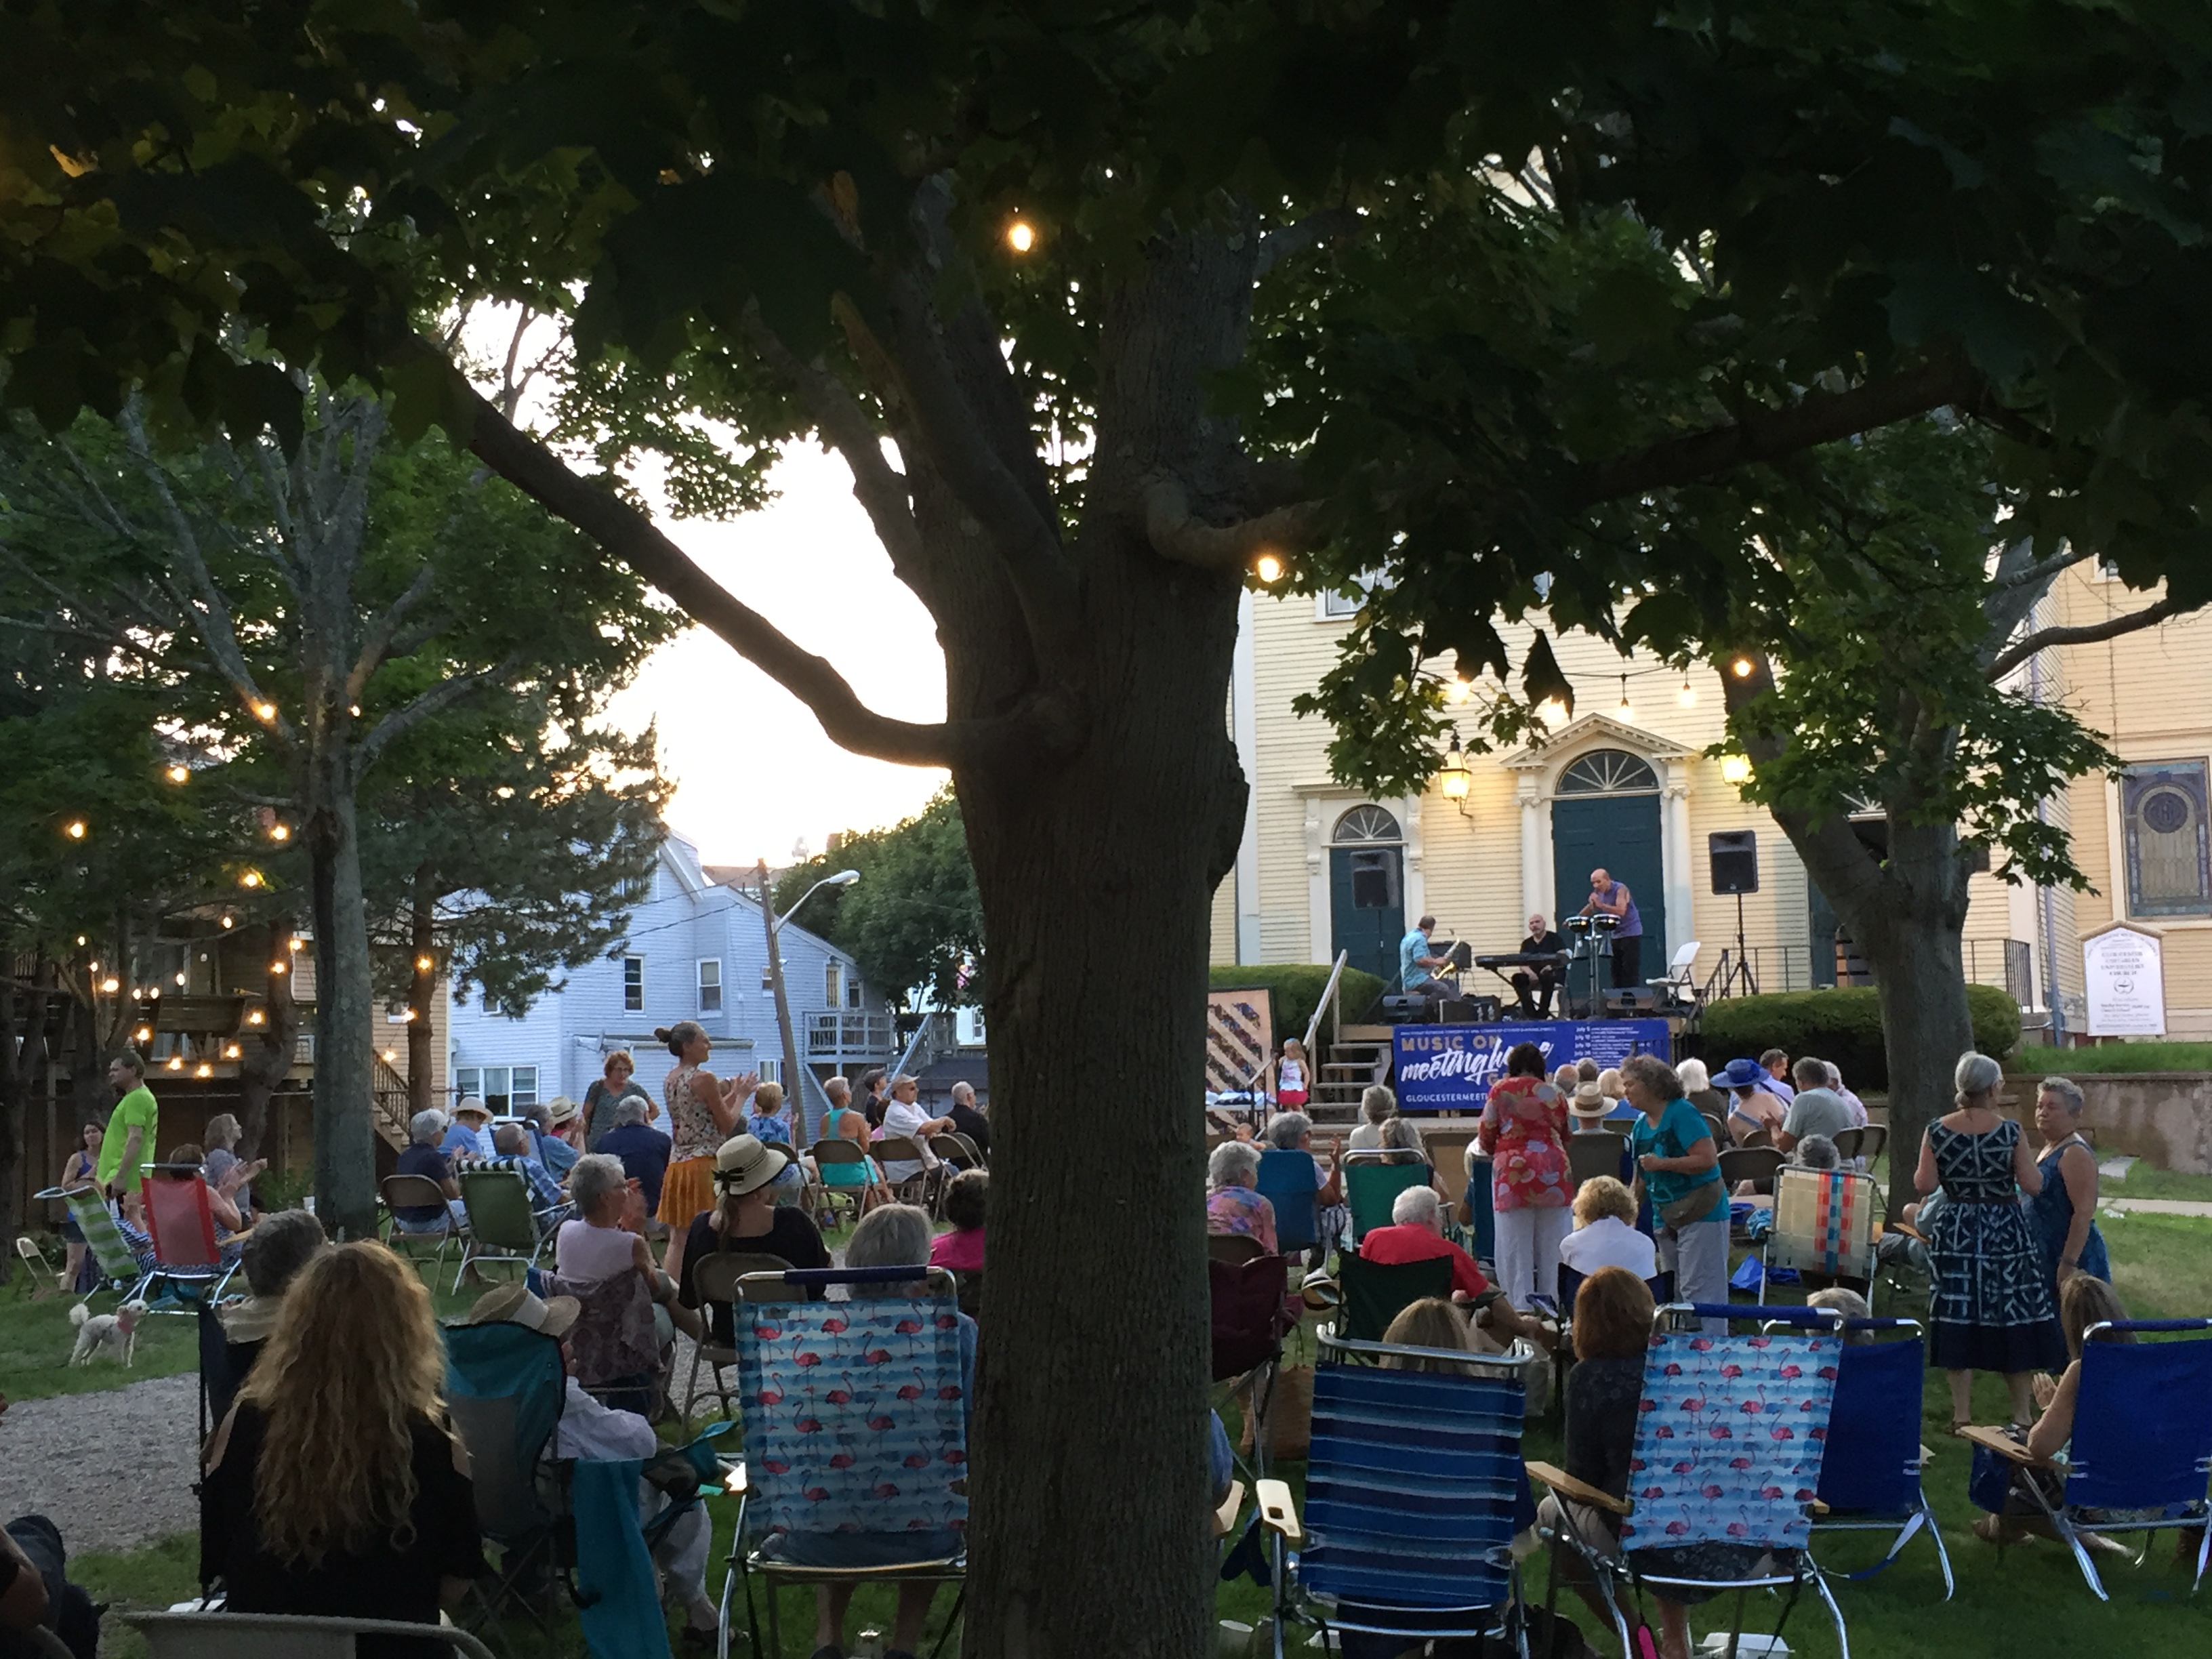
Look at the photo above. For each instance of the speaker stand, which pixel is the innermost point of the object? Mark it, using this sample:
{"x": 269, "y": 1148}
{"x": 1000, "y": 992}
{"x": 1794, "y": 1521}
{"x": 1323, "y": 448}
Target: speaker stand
{"x": 1736, "y": 969}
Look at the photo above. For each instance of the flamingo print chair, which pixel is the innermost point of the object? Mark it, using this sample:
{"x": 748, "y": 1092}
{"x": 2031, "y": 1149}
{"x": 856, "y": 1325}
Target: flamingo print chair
{"x": 855, "y": 1420}
{"x": 1728, "y": 1445}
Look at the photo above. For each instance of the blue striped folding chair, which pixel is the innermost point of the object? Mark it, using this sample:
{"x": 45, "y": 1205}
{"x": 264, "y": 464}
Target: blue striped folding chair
{"x": 1728, "y": 1445}
{"x": 1415, "y": 1490}
{"x": 1870, "y": 1472}
{"x": 2142, "y": 1451}
{"x": 1823, "y": 1223}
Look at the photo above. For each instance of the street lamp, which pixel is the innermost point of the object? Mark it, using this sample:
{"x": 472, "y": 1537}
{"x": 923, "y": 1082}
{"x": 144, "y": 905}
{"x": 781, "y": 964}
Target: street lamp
{"x": 774, "y": 925}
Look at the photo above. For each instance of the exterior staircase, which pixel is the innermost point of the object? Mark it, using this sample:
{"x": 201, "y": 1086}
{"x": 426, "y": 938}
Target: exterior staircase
{"x": 390, "y": 1114}
{"x": 1359, "y": 1056}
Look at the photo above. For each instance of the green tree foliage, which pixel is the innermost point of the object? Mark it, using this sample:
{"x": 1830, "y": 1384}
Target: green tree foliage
{"x": 913, "y": 921}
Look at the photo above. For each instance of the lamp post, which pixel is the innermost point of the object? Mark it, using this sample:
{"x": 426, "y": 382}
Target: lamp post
{"x": 773, "y": 923}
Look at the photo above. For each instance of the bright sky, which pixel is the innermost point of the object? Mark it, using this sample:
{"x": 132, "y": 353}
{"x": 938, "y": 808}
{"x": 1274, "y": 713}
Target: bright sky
{"x": 754, "y": 773}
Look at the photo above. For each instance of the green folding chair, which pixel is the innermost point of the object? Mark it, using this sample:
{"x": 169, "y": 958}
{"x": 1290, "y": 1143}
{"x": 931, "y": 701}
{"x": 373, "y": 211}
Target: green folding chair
{"x": 501, "y": 1225}
{"x": 1373, "y": 1293}
{"x": 1372, "y": 1181}
{"x": 118, "y": 1267}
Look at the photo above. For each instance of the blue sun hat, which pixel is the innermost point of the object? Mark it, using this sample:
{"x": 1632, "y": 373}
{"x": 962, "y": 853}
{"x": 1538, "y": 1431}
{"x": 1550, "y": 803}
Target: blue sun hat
{"x": 1740, "y": 1074}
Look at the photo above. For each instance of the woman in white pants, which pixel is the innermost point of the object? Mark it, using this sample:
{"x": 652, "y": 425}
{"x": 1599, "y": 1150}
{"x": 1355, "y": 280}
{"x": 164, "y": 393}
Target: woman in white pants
{"x": 1678, "y": 1165}
{"x": 1525, "y": 1126}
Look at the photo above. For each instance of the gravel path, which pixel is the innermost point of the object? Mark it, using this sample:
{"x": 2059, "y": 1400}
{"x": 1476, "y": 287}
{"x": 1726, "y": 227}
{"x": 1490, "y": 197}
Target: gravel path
{"x": 114, "y": 1470}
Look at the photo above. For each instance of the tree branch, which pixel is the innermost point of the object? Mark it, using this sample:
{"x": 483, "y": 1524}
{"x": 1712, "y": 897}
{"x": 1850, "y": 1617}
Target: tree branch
{"x": 1821, "y": 418}
{"x": 437, "y": 699}
{"x": 1176, "y": 534}
{"x": 1300, "y": 234}
{"x": 1046, "y": 724}
{"x": 2087, "y": 634}
{"x": 381, "y": 631}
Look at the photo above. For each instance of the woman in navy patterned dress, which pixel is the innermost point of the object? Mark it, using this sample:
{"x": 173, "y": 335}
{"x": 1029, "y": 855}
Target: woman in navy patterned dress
{"x": 1993, "y": 1309}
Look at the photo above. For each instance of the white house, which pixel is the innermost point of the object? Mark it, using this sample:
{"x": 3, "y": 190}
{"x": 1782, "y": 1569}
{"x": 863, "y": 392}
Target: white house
{"x": 697, "y": 950}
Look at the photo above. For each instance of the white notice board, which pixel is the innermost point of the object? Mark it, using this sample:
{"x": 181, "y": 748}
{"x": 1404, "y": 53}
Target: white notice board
{"x": 2124, "y": 973}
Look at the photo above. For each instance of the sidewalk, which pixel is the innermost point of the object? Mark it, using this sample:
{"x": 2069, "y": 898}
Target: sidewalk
{"x": 2154, "y": 1206}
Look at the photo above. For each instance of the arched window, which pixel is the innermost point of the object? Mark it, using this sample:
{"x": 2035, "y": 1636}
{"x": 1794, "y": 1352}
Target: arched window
{"x": 1367, "y": 826}
{"x": 1609, "y": 772}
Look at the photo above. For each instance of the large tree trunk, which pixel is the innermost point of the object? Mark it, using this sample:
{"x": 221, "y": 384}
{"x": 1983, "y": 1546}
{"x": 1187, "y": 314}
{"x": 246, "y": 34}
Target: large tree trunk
{"x": 1089, "y": 1490}
{"x": 422, "y": 987}
{"x": 266, "y": 1050}
{"x": 345, "y": 1082}
{"x": 23, "y": 1058}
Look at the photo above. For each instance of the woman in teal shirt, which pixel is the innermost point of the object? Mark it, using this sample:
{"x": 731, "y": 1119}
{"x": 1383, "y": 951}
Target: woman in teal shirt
{"x": 1680, "y": 1167}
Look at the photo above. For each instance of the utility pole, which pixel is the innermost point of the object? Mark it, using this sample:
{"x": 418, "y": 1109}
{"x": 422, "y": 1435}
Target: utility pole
{"x": 794, "y": 1089}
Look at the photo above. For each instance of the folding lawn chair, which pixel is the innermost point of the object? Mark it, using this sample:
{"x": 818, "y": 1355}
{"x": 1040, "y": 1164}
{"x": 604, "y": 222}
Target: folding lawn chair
{"x": 502, "y": 1226}
{"x": 1234, "y": 1248}
{"x": 181, "y": 1219}
{"x": 619, "y": 1584}
{"x": 1866, "y": 1142}
{"x": 2142, "y": 1448}
{"x": 1870, "y": 1471}
{"x": 1372, "y": 1181}
{"x": 715, "y": 1279}
{"x": 37, "y": 1268}
{"x": 1591, "y": 1153}
{"x": 855, "y": 1420}
{"x": 921, "y": 1187}
{"x": 1291, "y": 1189}
{"x": 1481, "y": 1220}
{"x": 116, "y": 1263}
{"x": 1371, "y": 1294}
{"x": 840, "y": 1176}
{"x": 614, "y": 1348}
{"x": 1756, "y": 1164}
{"x": 505, "y": 1387}
{"x": 1415, "y": 1490}
{"x": 1823, "y": 1225}
{"x": 280, "y": 1636}
{"x": 1249, "y": 1322}
{"x": 1729, "y": 1447}
{"x": 414, "y": 1192}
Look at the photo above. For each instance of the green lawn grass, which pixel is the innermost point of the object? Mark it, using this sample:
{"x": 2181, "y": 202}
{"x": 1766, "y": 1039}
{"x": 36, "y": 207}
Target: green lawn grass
{"x": 2107, "y": 1057}
{"x": 2144, "y": 1181}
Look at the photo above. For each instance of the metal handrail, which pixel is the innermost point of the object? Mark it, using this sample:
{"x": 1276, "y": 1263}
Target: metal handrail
{"x": 1328, "y": 1003}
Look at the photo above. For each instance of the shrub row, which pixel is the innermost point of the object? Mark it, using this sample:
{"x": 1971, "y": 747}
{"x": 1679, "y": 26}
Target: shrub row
{"x": 1842, "y": 1024}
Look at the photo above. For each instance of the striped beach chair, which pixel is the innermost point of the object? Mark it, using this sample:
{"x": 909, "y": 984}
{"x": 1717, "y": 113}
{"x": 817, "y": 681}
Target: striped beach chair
{"x": 1823, "y": 1223}
{"x": 1415, "y": 1490}
{"x": 118, "y": 1266}
{"x": 1729, "y": 1447}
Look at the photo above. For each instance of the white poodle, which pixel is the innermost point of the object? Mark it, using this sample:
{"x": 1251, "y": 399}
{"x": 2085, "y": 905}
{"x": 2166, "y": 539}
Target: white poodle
{"x": 113, "y": 1335}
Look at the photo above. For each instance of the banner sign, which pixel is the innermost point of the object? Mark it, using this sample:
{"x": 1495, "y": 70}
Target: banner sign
{"x": 1450, "y": 1068}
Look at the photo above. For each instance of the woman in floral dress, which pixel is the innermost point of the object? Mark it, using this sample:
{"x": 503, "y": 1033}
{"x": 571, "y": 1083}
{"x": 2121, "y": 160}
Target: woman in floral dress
{"x": 1993, "y": 1309}
{"x": 1524, "y": 1125}
{"x": 703, "y": 1111}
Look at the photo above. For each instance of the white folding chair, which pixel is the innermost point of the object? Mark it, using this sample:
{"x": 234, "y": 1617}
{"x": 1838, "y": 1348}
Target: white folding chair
{"x": 280, "y": 1636}
{"x": 1678, "y": 983}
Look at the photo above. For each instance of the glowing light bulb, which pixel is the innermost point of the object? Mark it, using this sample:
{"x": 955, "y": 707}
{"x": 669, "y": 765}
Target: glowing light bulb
{"x": 254, "y": 1018}
{"x": 1734, "y": 769}
{"x": 412, "y": 1014}
{"x": 390, "y": 1056}
{"x": 179, "y": 774}
{"x": 230, "y": 1051}
{"x": 279, "y": 966}
{"x": 280, "y": 832}
{"x": 1741, "y": 667}
{"x": 298, "y": 944}
{"x": 73, "y": 830}
{"x": 176, "y": 1063}
{"x": 94, "y": 969}
{"x": 1624, "y": 710}
{"x": 423, "y": 964}
{"x": 205, "y": 1070}
{"x": 180, "y": 979}
{"x": 1268, "y": 567}
{"x": 144, "y": 1034}
{"x": 79, "y": 938}
{"x": 111, "y": 985}
{"x": 229, "y": 922}
{"x": 1021, "y": 236}
{"x": 1687, "y": 697}
{"x": 265, "y": 711}
{"x": 251, "y": 879}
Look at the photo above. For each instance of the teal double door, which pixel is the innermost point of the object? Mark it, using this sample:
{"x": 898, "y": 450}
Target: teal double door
{"x": 1618, "y": 833}
{"x": 1367, "y": 907}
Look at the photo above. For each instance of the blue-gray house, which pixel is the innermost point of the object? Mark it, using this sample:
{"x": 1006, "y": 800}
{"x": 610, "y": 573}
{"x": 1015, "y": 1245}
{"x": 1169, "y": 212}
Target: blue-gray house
{"x": 697, "y": 950}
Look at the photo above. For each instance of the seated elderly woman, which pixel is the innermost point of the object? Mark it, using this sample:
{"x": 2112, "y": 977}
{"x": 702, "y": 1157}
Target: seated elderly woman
{"x": 424, "y": 1156}
{"x": 1293, "y": 1131}
{"x": 1837, "y": 1298}
{"x": 1234, "y": 1207}
{"x": 603, "y": 1240}
{"x": 1814, "y": 1153}
{"x": 891, "y": 1235}
{"x": 1605, "y": 1233}
{"x": 960, "y": 1250}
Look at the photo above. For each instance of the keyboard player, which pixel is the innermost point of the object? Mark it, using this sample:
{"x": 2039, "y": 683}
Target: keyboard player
{"x": 1534, "y": 986}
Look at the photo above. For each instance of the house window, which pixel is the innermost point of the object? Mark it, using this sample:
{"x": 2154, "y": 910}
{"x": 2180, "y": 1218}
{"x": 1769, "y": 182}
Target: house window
{"x": 832, "y": 984}
{"x": 2162, "y": 816}
{"x": 502, "y": 1088}
{"x": 771, "y": 1071}
{"x": 1609, "y": 772}
{"x": 853, "y": 993}
{"x": 710, "y": 985}
{"x": 634, "y": 984}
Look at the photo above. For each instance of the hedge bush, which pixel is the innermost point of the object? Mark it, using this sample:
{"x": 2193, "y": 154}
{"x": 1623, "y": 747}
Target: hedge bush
{"x": 1842, "y": 1024}
{"x": 1296, "y": 988}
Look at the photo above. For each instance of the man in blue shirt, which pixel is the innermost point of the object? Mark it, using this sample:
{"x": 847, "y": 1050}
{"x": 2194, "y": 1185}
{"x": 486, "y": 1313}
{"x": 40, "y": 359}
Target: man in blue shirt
{"x": 1417, "y": 964}
{"x": 464, "y": 1133}
{"x": 1613, "y": 898}
{"x": 642, "y": 1149}
{"x": 556, "y": 1154}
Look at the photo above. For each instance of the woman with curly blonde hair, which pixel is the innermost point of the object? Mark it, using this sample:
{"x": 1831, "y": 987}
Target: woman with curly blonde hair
{"x": 334, "y": 1485}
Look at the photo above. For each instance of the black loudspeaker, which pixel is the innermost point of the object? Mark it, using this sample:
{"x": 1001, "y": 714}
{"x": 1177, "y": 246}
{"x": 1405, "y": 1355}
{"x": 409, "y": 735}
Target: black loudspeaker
{"x": 1374, "y": 881}
{"x": 1404, "y": 1011}
{"x": 1631, "y": 1000}
{"x": 1736, "y": 861}
{"x": 1471, "y": 1010}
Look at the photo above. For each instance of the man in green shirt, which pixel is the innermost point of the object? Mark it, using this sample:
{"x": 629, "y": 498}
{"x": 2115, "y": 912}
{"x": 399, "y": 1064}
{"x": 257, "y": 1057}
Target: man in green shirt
{"x": 128, "y": 1146}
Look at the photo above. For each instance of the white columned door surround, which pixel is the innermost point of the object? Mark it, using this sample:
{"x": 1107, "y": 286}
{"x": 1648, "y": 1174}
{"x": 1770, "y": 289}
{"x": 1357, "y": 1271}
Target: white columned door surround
{"x": 1538, "y": 767}
{"x": 1327, "y": 803}
{"x": 1675, "y": 857}
{"x": 1319, "y": 816}
{"x": 1535, "y": 847}
{"x": 1414, "y": 894}
{"x": 1244, "y": 731}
